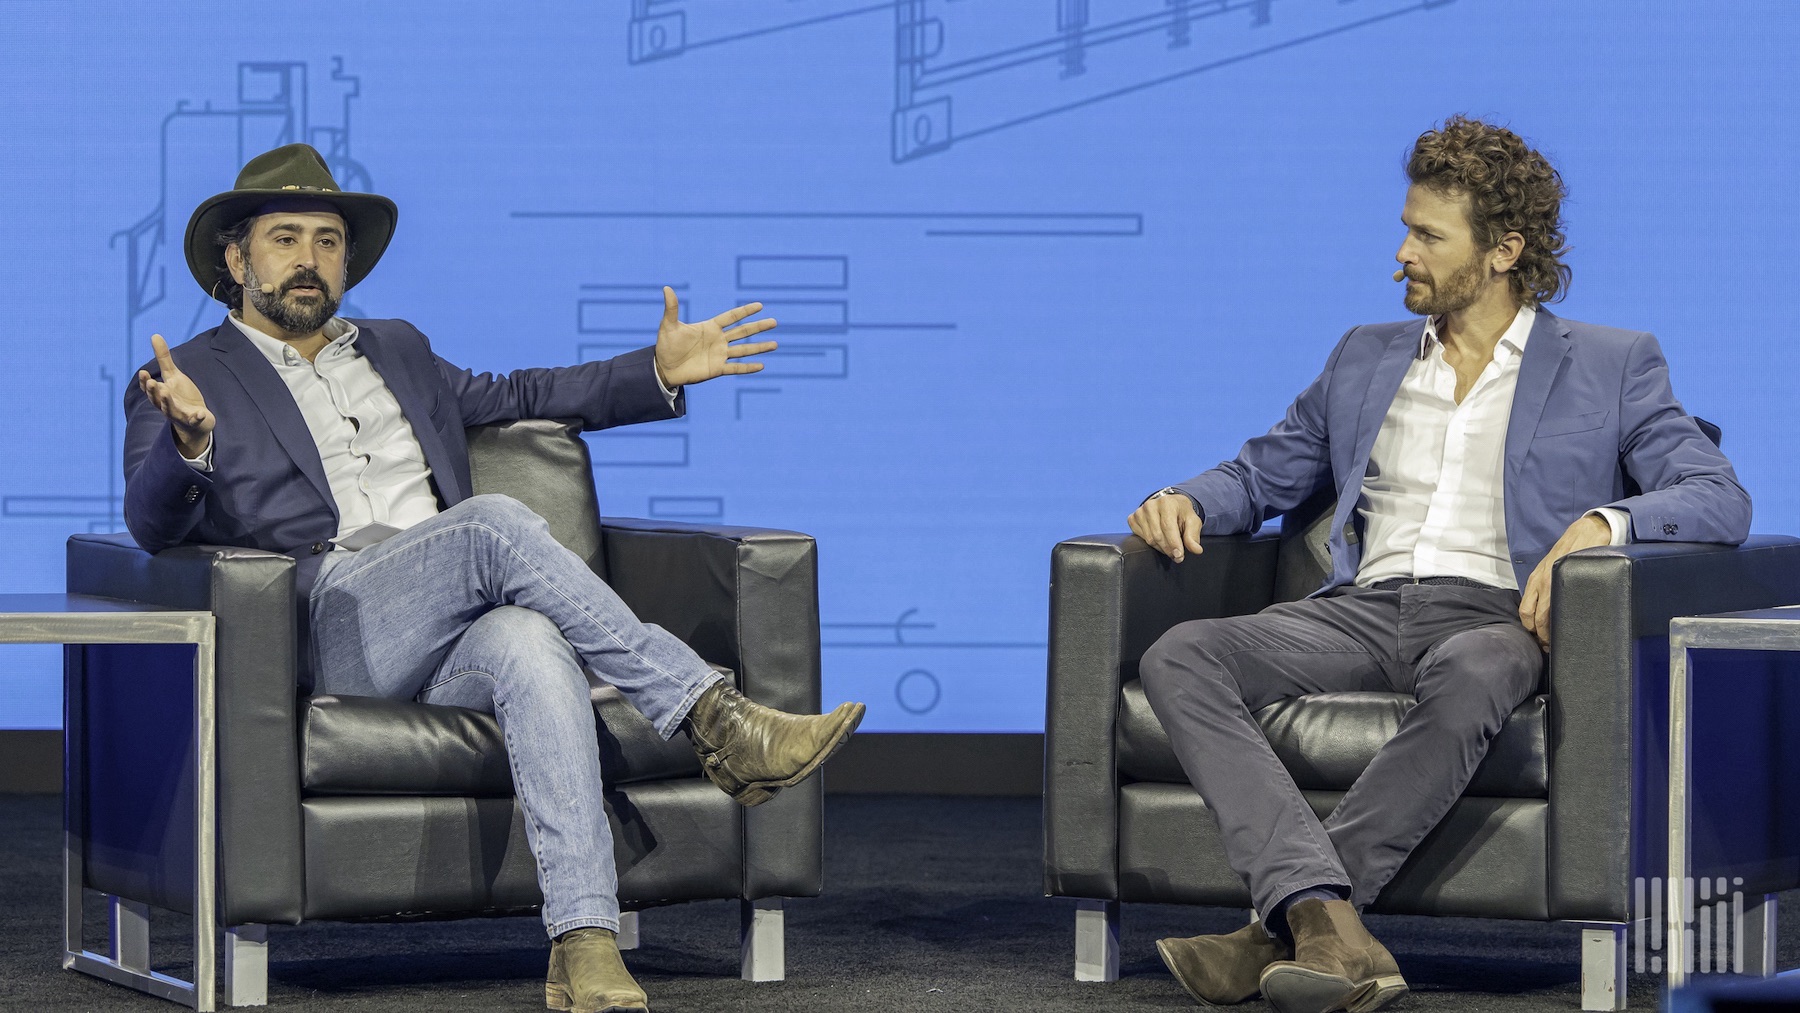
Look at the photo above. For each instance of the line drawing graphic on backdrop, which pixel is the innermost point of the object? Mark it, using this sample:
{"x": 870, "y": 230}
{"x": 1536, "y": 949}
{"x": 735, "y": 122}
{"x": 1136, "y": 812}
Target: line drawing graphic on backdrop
{"x": 809, "y": 291}
{"x": 811, "y": 297}
{"x": 200, "y": 147}
{"x": 918, "y": 690}
{"x": 963, "y": 70}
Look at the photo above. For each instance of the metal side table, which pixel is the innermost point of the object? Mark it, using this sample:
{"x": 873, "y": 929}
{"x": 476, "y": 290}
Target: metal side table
{"x": 86, "y": 619}
{"x": 1771, "y": 629}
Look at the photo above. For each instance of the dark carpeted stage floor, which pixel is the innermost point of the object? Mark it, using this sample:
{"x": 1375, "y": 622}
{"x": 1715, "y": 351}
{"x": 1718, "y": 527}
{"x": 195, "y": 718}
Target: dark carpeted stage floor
{"x": 930, "y": 904}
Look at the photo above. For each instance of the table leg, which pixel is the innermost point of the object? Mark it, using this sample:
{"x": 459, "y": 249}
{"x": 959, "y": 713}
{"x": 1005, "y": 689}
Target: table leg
{"x": 206, "y": 926}
{"x": 1676, "y": 949}
{"x": 74, "y": 805}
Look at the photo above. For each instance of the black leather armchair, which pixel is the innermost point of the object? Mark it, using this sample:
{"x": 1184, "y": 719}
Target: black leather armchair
{"x": 364, "y": 809}
{"x": 1568, "y": 809}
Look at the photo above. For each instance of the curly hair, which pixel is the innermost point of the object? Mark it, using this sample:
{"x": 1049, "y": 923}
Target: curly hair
{"x": 1511, "y": 188}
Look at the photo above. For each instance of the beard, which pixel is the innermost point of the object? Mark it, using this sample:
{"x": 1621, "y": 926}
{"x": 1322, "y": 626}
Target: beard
{"x": 304, "y": 314}
{"x": 1457, "y": 292}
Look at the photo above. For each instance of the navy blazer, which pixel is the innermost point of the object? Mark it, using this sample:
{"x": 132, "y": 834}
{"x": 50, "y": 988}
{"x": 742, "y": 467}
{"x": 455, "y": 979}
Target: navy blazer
{"x": 267, "y": 489}
{"x": 1592, "y": 405}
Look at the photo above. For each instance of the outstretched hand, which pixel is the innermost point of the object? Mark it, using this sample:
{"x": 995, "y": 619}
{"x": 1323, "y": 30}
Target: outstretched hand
{"x": 694, "y": 353}
{"x": 177, "y": 397}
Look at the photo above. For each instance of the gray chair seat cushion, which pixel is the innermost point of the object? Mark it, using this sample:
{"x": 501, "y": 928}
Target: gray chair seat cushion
{"x": 1327, "y": 740}
{"x": 352, "y": 745}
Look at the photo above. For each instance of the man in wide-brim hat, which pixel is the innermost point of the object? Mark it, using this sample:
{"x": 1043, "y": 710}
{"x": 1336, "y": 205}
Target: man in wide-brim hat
{"x": 340, "y": 442}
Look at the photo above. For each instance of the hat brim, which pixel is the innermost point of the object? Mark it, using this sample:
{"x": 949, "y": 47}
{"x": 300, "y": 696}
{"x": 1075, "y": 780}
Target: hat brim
{"x": 369, "y": 217}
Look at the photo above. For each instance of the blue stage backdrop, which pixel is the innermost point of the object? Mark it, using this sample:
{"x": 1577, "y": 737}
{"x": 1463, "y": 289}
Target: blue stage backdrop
{"x": 1032, "y": 259}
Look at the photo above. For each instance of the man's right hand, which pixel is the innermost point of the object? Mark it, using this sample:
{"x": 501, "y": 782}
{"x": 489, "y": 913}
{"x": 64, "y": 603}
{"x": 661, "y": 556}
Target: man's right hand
{"x": 1169, "y": 523}
{"x": 176, "y": 397}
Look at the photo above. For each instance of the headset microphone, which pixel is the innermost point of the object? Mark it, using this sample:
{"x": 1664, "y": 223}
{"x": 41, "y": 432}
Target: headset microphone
{"x": 1398, "y": 275}
{"x": 269, "y": 289}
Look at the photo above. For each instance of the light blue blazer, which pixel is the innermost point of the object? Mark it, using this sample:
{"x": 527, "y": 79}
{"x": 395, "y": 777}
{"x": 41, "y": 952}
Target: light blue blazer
{"x": 1593, "y": 405}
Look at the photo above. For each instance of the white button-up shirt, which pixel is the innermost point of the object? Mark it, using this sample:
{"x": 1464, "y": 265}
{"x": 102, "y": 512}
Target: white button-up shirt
{"x": 373, "y": 462}
{"x": 1433, "y": 500}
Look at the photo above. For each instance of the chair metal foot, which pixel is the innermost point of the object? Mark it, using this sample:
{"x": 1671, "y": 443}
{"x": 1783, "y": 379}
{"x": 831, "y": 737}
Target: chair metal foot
{"x": 246, "y": 959}
{"x": 628, "y": 930}
{"x": 1603, "y": 967}
{"x": 130, "y": 931}
{"x": 1756, "y": 954}
{"x": 1096, "y": 940}
{"x": 763, "y": 943}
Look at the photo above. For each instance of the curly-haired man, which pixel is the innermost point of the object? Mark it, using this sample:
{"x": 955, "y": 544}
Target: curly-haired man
{"x": 1468, "y": 451}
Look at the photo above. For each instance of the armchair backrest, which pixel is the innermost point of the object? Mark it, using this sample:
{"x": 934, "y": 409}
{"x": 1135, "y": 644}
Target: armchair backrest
{"x": 544, "y": 464}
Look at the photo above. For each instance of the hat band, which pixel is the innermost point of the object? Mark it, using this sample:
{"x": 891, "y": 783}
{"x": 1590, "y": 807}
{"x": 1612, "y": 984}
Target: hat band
{"x": 297, "y": 205}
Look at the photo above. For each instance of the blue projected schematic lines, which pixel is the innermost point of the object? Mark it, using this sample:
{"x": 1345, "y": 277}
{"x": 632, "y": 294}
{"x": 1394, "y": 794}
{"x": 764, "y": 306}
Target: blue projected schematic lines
{"x": 198, "y": 147}
{"x": 917, "y": 690}
{"x": 963, "y": 70}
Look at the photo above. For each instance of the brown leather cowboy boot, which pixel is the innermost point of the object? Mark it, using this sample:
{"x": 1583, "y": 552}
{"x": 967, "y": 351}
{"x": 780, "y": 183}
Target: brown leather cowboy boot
{"x": 751, "y": 751}
{"x": 1220, "y": 970}
{"x": 1337, "y": 965}
{"x": 587, "y": 975}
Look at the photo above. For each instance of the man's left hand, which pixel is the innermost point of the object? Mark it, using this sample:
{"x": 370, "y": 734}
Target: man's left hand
{"x": 1534, "y": 604}
{"x": 693, "y": 353}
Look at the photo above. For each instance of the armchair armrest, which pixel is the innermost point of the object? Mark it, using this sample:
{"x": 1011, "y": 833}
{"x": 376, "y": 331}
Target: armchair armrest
{"x": 251, "y": 593}
{"x": 1111, "y": 597}
{"x": 1609, "y": 671}
{"x": 748, "y": 599}
{"x": 745, "y": 598}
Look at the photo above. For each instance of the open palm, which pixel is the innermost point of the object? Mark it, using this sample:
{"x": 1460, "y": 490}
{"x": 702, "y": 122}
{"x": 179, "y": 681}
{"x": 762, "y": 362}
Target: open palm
{"x": 176, "y": 396}
{"x": 693, "y": 353}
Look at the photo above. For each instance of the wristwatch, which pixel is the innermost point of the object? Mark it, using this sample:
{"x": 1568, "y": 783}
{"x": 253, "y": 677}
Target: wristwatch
{"x": 1166, "y": 490}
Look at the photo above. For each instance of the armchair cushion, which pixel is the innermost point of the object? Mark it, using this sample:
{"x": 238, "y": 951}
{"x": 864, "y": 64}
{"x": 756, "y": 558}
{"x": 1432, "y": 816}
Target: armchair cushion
{"x": 1327, "y": 740}
{"x": 358, "y": 745}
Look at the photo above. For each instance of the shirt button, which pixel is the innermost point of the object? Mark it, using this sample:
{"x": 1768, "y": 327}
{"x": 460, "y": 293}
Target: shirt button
{"x": 318, "y": 547}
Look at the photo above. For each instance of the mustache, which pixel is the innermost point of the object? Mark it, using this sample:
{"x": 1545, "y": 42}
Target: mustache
{"x": 307, "y": 277}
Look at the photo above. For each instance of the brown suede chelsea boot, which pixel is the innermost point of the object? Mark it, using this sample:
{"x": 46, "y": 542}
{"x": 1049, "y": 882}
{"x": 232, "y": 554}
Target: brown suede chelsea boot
{"x": 1221, "y": 970}
{"x": 1336, "y": 965}
{"x": 587, "y": 975}
{"x": 751, "y": 751}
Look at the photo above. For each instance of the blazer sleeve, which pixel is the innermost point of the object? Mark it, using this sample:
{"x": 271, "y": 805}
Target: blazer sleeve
{"x": 1276, "y": 471}
{"x": 612, "y": 392}
{"x": 165, "y": 498}
{"x": 1691, "y": 493}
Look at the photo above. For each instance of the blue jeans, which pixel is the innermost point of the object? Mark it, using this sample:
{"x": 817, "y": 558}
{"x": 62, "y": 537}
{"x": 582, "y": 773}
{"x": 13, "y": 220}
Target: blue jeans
{"x": 480, "y": 607}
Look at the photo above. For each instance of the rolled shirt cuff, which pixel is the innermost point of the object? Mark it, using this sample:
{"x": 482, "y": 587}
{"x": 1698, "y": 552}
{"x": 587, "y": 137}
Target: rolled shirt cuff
{"x": 1619, "y": 521}
{"x": 668, "y": 395}
{"x": 204, "y": 461}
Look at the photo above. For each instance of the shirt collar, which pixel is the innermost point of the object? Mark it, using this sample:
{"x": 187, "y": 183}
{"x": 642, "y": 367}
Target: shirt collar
{"x": 1513, "y": 341}
{"x": 340, "y": 331}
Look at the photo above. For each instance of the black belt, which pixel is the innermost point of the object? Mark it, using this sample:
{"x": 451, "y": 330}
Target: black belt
{"x": 1396, "y": 583}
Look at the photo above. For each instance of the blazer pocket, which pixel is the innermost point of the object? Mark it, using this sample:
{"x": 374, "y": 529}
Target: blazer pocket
{"x": 1563, "y": 425}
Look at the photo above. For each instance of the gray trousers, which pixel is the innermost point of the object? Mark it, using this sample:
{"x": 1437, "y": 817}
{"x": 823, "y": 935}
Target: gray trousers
{"x": 1459, "y": 651}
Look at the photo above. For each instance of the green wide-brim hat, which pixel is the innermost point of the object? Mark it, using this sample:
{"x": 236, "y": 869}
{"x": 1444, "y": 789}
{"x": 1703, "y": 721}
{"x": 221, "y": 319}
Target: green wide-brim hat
{"x": 293, "y": 172}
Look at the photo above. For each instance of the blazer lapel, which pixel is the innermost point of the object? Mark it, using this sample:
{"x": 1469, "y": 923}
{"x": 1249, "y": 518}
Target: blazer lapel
{"x": 1378, "y": 397}
{"x": 276, "y": 403}
{"x": 1544, "y": 355}
{"x": 415, "y": 404}
{"x": 1380, "y": 386}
